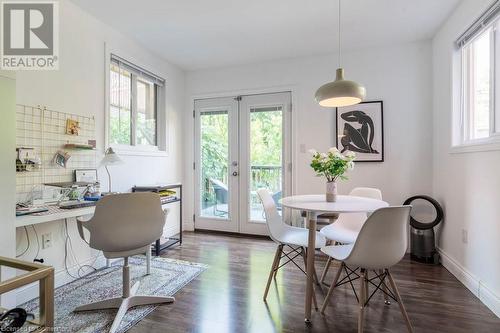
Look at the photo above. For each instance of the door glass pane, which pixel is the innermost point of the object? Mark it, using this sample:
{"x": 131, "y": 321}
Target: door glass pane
{"x": 146, "y": 113}
{"x": 266, "y": 153}
{"x": 214, "y": 164}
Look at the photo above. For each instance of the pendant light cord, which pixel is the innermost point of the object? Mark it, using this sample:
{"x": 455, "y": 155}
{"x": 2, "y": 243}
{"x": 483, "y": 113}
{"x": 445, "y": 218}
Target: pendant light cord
{"x": 338, "y": 21}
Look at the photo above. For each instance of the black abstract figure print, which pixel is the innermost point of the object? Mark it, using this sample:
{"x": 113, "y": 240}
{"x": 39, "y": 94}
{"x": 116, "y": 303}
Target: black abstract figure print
{"x": 358, "y": 138}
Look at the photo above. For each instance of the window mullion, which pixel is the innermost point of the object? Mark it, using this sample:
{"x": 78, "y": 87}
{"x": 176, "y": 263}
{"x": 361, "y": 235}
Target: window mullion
{"x": 155, "y": 106}
{"x": 133, "y": 106}
{"x": 492, "y": 82}
{"x": 495, "y": 79}
{"x": 467, "y": 97}
{"x": 463, "y": 94}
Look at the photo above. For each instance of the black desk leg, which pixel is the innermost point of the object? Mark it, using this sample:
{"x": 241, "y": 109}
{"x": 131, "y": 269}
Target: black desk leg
{"x": 180, "y": 215}
{"x": 157, "y": 247}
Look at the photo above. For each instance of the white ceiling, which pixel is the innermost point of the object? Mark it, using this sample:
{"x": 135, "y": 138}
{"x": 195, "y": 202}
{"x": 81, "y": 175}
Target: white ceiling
{"x": 197, "y": 34}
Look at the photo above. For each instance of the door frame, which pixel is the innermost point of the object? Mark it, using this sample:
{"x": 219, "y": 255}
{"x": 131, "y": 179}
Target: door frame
{"x": 190, "y": 178}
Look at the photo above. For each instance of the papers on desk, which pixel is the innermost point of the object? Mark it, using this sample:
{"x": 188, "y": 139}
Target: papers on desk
{"x": 30, "y": 210}
{"x": 53, "y": 213}
{"x": 167, "y": 196}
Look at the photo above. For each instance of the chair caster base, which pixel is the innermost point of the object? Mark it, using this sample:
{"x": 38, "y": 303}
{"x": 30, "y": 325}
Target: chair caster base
{"x": 387, "y": 302}
{"x": 307, "y": 321}
{"x": 123, "y": 304}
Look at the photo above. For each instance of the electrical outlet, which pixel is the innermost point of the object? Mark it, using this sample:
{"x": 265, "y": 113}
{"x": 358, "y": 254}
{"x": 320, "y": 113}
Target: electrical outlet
{"x": 46, "y": 240}
{"x": 465, "y": 236}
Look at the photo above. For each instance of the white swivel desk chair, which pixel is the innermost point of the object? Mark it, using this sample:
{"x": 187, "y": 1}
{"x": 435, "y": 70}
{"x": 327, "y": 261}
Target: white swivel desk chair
{"x": 285, "y": 235}
{"x": 124, "y": 225}
{"x": 381, "y": 244}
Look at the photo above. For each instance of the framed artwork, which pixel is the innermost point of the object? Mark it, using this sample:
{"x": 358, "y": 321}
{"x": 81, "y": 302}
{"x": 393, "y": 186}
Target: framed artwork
{"x": 86, "y": 175}
{"x": 72, "y": 127}
{"x": 360, "y": 129}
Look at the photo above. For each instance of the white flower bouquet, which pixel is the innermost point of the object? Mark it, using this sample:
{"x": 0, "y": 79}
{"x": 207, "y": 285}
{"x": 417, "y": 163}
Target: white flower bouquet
{"x": 332, "y": 165}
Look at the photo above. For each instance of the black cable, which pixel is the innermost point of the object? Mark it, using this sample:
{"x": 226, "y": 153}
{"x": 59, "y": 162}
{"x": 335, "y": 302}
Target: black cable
{"x": 66, "y": 251}
{"x": 69, "y": 242}
{"x": 37, "y": 242}
{"x": 86, "y": 266}
{"x": 28, "y": 241}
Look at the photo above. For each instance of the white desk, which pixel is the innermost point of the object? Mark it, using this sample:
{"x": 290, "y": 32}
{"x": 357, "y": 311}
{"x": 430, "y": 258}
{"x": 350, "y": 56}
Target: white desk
{"x": 314, "y": 204}
{"x": 60, "y": 214}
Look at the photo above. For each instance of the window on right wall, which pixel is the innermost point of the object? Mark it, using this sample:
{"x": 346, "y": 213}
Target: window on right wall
{"x": 479, "y": 47}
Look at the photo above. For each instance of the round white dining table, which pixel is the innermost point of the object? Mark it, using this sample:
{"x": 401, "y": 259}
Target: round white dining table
{"x": 316, "y": 204}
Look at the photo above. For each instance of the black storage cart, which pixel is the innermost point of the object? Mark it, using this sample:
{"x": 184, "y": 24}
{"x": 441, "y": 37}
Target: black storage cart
{"x": 176, "y": 239}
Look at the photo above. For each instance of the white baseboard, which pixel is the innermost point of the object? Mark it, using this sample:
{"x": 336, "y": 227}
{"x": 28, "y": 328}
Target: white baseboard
{"x": 474, "y": 284}
{"x": 188, "y": 226}
{"x": 61, "y": 277}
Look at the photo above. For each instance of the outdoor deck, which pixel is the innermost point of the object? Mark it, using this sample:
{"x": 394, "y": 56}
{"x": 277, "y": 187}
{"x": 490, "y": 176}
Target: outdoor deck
{"x": 220, "y": 211}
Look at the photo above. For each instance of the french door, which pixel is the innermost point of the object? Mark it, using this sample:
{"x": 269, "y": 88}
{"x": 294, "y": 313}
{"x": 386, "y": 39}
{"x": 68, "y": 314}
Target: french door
{"x": 241, "y": 144}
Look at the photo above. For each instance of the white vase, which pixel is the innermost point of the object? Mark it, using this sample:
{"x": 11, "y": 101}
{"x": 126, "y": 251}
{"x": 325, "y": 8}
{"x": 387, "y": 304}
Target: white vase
{"x": 331, "y": 191}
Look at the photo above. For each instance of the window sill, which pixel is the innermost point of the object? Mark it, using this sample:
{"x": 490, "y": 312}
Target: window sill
{"x": 138, "y": 151}
{"x": 489, "y": 144}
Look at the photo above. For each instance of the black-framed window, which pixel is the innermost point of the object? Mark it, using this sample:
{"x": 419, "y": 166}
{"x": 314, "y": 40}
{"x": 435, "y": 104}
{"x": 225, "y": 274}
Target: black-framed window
{"x": 133, "y": 109}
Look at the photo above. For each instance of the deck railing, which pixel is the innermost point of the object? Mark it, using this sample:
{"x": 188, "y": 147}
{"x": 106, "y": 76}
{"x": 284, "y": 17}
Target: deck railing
{"x": 266, "y": 176}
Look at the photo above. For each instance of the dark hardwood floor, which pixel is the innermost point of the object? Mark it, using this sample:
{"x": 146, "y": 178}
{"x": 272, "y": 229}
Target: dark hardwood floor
{"x": 227, "y": 297}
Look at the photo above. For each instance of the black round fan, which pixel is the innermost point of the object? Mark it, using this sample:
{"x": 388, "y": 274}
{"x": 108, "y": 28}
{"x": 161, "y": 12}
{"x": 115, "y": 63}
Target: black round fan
{"x": 425, "y": 215}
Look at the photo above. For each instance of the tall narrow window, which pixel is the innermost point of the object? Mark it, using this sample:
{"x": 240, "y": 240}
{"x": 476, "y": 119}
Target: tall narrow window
{"x": 146, "y": 113}
{"x": 120, "y": 110}
{"x": 478, "y": 81}
{"x": 480, "y": 78}
{"x": 133, "y": 110}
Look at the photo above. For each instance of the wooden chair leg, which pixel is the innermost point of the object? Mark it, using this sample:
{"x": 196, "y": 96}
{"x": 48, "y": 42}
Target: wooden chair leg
{"x": 276, "y": 260}
{"x": 400, "y": 301}
{"x": 317, "y": 280}
{"x": 384, "y": 288}
{"x": 315, "y": 276}
{"x": 304, "y": 256}
{"x": 315, "y": 301}
{"x": 325, "y": 270}
{"x": 330, "y": 291}
{"x": 362, "y": 300}
{"x": 367, "y": 292}
{"x": 279, "y": 260}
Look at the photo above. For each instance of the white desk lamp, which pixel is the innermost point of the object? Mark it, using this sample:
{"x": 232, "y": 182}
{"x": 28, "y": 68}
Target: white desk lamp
{"x": 110, "y": 158}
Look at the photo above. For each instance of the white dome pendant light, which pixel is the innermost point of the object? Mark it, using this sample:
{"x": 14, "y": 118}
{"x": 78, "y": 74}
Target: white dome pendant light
{"x": 340, "y": 92}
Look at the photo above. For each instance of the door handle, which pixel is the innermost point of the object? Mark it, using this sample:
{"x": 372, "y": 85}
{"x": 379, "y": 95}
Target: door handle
{"x": 235, "y": 173}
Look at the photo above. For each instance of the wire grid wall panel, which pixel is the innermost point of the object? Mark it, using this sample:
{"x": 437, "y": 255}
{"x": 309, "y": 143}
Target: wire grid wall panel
{"x": 45, "y": 131}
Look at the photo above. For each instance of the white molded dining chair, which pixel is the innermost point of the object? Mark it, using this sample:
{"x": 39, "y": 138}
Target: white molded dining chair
{"x": 381, "y": 244}
{"x": 285, "y": 235}
{"x": 346, "y": 228}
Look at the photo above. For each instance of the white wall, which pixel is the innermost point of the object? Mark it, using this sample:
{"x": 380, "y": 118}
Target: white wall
{"x": 78, "y": 87}
{"x": 399, "y": 75}
{"x": 468, "y": 184}
{"x": 7, "y": 176}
